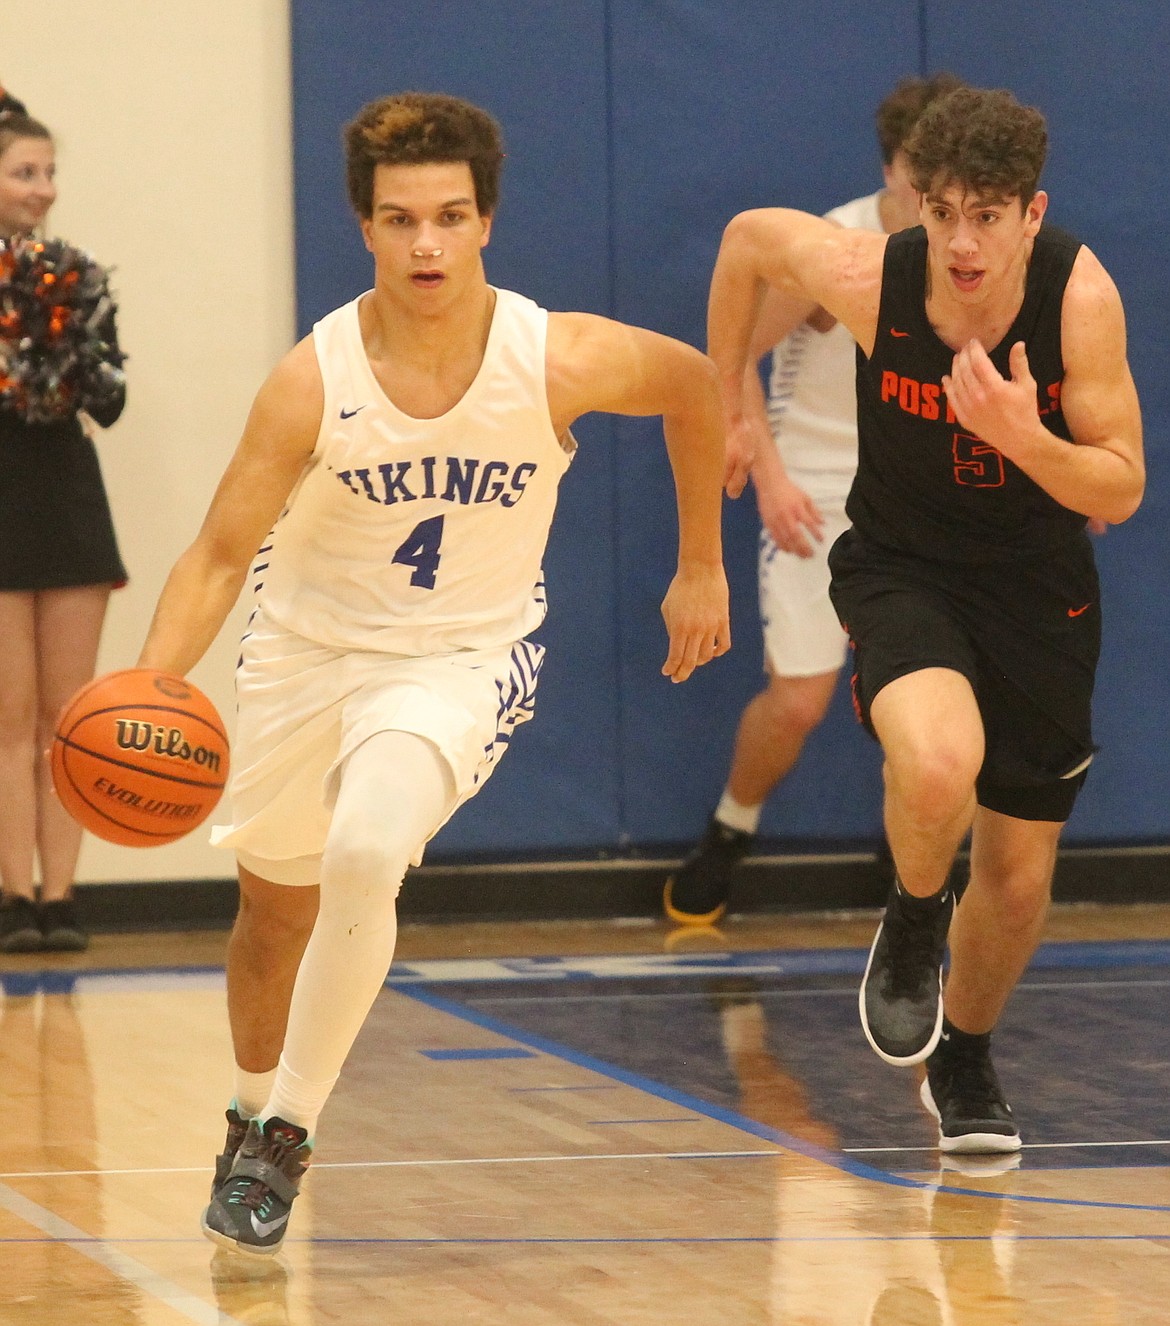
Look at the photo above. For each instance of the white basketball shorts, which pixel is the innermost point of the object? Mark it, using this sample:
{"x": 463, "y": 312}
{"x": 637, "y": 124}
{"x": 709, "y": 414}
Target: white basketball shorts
{"x": 303, "y": 708}
{"x": 802, "y": 636}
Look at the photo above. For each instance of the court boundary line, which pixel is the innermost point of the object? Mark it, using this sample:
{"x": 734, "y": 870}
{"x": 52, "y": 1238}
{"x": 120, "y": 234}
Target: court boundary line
{"x": 222, "y": 1319}
{"x": 1028, "y": 1146}
{"x": 813, "y": 992}
{"x": 97, "y": 1249}
{"x": 1080, "y": 955}
{"x": 566, "y": 1158}
{"x": 404, "y": 1164}
{"x": 833, "y": 1159}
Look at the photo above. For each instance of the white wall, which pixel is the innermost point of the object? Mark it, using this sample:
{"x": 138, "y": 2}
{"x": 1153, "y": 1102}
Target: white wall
{"x": 174, "y": 165}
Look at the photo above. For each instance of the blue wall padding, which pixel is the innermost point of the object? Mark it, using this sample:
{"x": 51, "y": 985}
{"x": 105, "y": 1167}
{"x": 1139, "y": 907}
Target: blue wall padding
{"x": 635, "y": 130}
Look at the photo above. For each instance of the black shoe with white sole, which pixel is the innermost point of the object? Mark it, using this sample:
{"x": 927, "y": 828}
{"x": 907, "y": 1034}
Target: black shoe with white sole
{"x": 901, "y": 993}
{"x": 962, "y": 1091}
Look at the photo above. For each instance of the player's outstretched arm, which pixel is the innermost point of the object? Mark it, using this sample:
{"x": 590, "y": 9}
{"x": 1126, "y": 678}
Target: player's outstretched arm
{"x": 1101, "y": 473}
{"x": 806, "y": 258}
{"x": 595, "y": 364}
{"x": 205, "y": 582}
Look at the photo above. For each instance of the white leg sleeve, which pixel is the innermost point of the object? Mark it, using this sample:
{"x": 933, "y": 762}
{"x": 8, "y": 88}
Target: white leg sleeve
{"x": 394, "y": 790}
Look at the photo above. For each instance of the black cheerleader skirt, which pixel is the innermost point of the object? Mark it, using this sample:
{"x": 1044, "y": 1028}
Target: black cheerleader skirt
{"x": 55, "y": 526}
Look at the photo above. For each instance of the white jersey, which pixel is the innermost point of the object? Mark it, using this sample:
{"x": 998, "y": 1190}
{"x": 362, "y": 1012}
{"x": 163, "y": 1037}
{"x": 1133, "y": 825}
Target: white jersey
{"x": 421, "y": 536}
{"x": 812, "y": 400}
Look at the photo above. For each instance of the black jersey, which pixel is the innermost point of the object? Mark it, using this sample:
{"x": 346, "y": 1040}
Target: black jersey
{"x": 924, "y": 485}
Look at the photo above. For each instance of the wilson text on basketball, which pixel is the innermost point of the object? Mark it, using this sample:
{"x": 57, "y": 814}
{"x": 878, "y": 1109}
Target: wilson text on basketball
{"x": 134, "y": 734}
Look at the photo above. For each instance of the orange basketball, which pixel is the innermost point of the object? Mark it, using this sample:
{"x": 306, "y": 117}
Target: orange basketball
{"x": 139, "y": 757}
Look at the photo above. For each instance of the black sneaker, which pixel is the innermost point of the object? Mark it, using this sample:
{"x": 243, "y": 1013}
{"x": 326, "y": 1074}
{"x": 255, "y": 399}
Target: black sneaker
{"x": 250, "y": 1212}
{"x": 963, "y": 1093}
{"x": 60, "y": 932}
{"x": 237, "y": 1131}
{"x": 696, "y": 894}
{"x": 19, "y": 928}
{"x": 901, "y": 993}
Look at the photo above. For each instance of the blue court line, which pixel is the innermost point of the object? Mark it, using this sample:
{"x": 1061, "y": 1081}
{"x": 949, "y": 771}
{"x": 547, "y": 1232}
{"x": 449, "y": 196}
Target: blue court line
{"x": 835, "y": 1160}
{"x": 1088, "y": 955}
{"x": 610, "y": 1123}
{"x": 502, "y": 1052}
{"x": 92, "y": 980}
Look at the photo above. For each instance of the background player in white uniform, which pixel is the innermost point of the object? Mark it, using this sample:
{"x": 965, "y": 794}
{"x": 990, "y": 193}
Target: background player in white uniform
{"x": 405, "y": 459}
{"x": 806, "y": 456}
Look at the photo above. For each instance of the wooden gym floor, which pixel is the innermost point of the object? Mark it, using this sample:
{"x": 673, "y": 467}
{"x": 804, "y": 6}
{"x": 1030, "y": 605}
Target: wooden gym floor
{"x": 595, "y": 1124}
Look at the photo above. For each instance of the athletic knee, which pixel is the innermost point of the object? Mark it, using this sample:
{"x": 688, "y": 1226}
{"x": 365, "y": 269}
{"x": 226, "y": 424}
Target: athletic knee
{"x": 274, "y": 919}
{"x": 364, "y": 861}
{"x": 793, "y": 708}
{"x": 1023, "y": 903}
{"x": 1018, "y": 905}
{"x": 1019, "y": 891}
{"x": 933, "y": 783}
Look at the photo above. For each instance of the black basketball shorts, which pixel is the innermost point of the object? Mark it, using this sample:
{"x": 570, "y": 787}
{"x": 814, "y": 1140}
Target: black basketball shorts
{"x": 1025, "y": 635}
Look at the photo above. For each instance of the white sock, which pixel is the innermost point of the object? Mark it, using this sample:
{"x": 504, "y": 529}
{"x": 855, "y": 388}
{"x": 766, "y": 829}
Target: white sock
{"x": 395, "y": 789}
{"x": 744, "y": 818}
{"x": 252, "y": 1091}
{"x": 297, "y": 1100}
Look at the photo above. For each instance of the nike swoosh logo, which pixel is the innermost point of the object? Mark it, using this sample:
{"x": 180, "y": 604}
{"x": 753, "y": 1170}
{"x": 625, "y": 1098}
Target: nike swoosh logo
{"x": 1076, "y": 612}
{"x": 349, "y": 414}
{"x": 898, "y": 333}
{"x": 265, "y": 1227}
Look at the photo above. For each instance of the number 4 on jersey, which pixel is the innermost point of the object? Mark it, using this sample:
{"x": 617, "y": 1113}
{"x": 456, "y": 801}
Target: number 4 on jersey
{"x": 420, "y": 549}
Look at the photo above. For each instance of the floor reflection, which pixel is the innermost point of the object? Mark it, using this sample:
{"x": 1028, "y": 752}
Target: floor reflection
{"x": 250, "y": 1290}
{"x": 50, "y": 1129}
{"x": 921, "y": 1258}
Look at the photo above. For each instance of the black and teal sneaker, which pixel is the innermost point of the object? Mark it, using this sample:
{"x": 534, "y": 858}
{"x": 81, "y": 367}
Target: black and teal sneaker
{"x": 251, "y": 1209}
{"x": 236, "y": 1132}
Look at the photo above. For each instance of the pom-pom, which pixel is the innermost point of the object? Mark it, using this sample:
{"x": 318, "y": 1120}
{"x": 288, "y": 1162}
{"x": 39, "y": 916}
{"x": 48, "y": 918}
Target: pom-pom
{"x": 58, "y": 348}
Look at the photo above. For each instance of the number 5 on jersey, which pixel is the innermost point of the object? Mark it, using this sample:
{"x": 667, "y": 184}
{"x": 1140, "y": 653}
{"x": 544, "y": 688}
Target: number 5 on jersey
{"x": 977, "y": 465}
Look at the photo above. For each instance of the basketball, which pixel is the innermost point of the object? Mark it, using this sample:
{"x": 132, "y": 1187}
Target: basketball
{"x": 139, "y": 757}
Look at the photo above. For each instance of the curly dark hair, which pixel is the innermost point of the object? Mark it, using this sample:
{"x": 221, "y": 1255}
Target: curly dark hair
{"x": 981, "y": 139}
{"x": 418, "y": 128}
{"x": 899, "y": 112}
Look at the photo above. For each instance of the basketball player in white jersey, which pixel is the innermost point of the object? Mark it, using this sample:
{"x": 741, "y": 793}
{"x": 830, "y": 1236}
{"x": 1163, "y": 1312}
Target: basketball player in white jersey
{"x": 806, "y": 456}
{"x": 398, "y": 473}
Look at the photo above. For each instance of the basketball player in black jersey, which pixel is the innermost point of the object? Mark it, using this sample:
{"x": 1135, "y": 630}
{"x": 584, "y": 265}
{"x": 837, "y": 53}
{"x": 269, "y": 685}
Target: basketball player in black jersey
{"x": 996, "y": 415}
